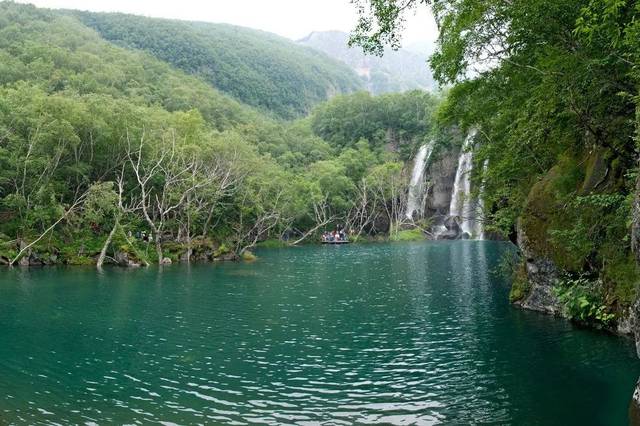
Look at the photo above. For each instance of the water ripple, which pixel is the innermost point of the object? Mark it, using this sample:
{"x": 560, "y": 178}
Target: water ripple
{"x": 412, "y": 334}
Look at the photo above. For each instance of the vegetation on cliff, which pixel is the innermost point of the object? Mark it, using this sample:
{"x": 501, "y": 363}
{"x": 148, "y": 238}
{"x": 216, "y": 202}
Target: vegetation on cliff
{"x": 552, "y": 87}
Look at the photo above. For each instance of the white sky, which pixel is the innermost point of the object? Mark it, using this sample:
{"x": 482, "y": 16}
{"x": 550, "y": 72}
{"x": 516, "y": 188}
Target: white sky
{"x": 290, "y": 18}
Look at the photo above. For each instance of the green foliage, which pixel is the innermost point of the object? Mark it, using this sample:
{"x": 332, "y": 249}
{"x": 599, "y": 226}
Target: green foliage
{"x": 582, "y": 299}
{"x": 257, "y": 68}
{"x": 84, "y": 122}
{"x": 401, "y": 122}
{"x": 520, "y": 285}
{"x": 222, "y": 250}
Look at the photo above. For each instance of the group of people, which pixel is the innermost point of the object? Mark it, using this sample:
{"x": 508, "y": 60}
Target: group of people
{"x": 334, "y": 236}
{"x": 147, "y": 238}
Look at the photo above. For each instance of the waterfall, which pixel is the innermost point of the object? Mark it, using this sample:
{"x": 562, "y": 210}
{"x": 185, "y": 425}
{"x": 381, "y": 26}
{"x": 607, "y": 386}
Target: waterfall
{"x": 480, "y": 207}
{"x": 463, "y": 205}
{"x": 416, "y": 186}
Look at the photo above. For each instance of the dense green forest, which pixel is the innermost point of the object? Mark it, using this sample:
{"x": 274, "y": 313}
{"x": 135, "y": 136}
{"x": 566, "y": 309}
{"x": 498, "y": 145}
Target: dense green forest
{"x": 552, "y": 87}
{"x": 259, "y": 69}
{"x": 99, "y": 143}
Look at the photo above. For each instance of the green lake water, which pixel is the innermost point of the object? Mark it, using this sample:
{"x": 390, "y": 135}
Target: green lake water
{"x": 416, "y": 333}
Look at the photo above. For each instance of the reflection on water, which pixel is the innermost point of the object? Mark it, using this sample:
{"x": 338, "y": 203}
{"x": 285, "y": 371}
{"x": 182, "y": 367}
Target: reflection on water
{"x": 379, "y": 334}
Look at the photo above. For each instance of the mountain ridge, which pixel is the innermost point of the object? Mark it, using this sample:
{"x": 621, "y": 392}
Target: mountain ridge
{"x": 395, "y": 71}
{"x": 258, "y": 68}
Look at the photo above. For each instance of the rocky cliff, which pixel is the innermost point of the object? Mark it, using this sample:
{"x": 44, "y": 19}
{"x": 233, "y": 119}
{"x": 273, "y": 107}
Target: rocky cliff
{"x": 634, "y": 323}
{"x": 577, "y": 259}
{"x": 440, "y": 177}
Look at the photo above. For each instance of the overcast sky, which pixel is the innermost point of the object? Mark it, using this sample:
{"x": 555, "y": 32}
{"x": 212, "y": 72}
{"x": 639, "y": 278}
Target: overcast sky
{"x": 290, "y": 18}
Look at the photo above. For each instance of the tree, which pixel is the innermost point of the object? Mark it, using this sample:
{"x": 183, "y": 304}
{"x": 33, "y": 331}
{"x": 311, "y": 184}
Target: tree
{"x": 166, "y": 177}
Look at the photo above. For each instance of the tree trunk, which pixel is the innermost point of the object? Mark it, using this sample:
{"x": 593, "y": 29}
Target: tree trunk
{"x": 107, "y": 243}
{"x": 159, "y": 249}
{"x": 64, "y": 216}
{"x": 311, "y": 231}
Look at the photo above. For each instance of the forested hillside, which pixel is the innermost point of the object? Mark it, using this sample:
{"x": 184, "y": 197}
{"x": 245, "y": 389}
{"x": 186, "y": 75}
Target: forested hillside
{"x": 255, "y": 67}
{"x": 99, "y": 143}
{"x": 395, "y": 71}
{"x": 401, "y": 122}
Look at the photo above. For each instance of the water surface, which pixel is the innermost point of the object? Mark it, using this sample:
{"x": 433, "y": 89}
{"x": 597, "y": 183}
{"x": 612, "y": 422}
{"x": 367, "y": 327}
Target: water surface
{"x": 391, "y": 333}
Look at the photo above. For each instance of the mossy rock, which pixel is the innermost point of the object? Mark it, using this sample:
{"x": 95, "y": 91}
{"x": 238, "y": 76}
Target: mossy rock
{"x": 520, "y": 284}
{"x": 221, "y": 251}
{"x": 540, "y": 208}
{"x": 546, "y": 209}
{"x": 603, "y": 172}
{"x": 621, "y": 276}
{"x": 80, "y": 260}
{"x": 247, "y": 256}
{"x": 580, "y": 236}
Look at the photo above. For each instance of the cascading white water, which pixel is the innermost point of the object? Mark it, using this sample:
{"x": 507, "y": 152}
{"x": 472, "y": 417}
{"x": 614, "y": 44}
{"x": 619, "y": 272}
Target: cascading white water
{"x": 480, "y": 207}
{"x": 416, "y": 186}
{"x": 463, "y": 205}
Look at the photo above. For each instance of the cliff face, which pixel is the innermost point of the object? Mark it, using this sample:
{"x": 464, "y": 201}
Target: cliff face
{"x": 560, "y": 248}
{"x": 634, "y": 323}
{"x": 541, "y": 271}
{"x": 634, "y": 312}
{"x": 440, "y": 178}
{"x": 566, "y": 231}
{"x": 541, "y": 274}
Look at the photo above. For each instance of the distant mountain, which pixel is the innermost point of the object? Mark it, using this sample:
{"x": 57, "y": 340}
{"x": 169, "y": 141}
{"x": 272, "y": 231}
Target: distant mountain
{"x": 257, "y": 68}
{"x": 395, "y": 71}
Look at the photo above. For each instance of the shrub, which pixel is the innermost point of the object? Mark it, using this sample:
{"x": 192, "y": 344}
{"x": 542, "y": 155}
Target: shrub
{"x": 582, "y": 299}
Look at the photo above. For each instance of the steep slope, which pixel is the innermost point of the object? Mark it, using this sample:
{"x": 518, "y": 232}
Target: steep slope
{"x": 395, "y": 71}
{"x": 255, "y": 67}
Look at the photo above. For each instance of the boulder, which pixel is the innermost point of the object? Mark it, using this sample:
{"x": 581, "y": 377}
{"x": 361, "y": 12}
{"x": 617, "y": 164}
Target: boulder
{"x": 450, "y": 230}
{"x": 123, "y": 259}
{"x": 166, "y": 261}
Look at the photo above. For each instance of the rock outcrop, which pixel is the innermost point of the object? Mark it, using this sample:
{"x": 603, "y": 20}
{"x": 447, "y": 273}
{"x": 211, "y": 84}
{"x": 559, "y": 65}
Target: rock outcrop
{"x": 542, "y": 273}
{"x": 441, "y": 176}
{"x": 634, "y": 408}
{"x": 124, "y": 259}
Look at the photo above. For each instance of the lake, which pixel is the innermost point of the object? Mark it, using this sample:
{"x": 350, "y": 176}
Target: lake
{"x": 407, "y": 333}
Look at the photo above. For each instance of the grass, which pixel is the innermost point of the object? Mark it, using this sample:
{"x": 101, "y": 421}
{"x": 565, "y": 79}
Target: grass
{"x": 415, "y": 234}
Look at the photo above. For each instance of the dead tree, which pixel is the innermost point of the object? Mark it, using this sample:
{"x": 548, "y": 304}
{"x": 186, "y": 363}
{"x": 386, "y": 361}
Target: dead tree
{"x": 365, "y": 210}
{"x": 322, "y": 216}
{"x": 178, "y": 174}
{"x": 265, "y": 219}
{"x": 66, "y": 213}
{"x": 121, "y": 211}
